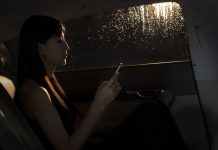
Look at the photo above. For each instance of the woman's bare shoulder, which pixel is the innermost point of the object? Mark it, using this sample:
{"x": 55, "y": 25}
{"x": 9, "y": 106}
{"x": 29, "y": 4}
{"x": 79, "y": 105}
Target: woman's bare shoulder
{"x": 30, "y": 88}
{"x": 32, "y": 95}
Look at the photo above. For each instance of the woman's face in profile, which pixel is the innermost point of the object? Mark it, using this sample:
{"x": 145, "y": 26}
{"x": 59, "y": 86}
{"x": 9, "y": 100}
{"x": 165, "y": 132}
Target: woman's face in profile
{"x": 54, "y": 51}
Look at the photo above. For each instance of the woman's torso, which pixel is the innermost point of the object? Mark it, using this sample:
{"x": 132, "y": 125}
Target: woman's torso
{"x": 69, "y": 115}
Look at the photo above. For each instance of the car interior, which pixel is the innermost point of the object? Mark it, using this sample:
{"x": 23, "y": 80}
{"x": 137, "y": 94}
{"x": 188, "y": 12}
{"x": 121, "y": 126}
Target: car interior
{"x": 168, "y": 52}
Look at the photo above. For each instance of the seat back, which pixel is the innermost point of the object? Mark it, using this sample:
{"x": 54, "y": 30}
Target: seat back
{"x": 15, "y": 133}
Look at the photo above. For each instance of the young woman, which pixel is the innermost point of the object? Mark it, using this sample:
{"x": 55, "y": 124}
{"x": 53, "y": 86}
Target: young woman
{"x": 52, "y": 116}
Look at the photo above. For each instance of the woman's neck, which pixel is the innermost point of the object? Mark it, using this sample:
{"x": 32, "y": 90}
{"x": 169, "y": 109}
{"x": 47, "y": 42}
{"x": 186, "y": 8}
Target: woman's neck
{"x": 49, "y": 69}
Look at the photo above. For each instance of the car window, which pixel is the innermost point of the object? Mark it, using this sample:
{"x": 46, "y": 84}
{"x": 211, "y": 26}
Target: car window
{"x": 134, "y": 35}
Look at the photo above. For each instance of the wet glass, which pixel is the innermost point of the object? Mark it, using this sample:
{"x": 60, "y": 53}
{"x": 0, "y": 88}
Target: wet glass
{"x": 135, "y": 35}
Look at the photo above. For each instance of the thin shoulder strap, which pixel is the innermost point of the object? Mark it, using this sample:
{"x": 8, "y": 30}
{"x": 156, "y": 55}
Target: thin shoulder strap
{"x": 50, "y": 85}
{"x": 55, "y": 86}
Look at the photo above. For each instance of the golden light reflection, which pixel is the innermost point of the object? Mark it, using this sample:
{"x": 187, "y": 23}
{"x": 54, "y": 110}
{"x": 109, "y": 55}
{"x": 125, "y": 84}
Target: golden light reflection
{"x": 154, "y": 19}
{"x": 2, "y": 115}
{"x": 134, "y": 35}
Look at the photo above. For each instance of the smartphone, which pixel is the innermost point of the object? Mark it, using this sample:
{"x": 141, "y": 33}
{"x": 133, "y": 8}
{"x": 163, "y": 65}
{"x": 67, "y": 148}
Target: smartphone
{"x": 118, "y": 68}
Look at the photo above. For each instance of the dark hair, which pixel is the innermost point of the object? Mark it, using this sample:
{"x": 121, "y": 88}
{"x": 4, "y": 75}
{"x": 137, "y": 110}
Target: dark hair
{"x": 36, "y": 29}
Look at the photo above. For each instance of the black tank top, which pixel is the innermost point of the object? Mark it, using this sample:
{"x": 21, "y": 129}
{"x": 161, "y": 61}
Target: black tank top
{"x": 68, "y": 115}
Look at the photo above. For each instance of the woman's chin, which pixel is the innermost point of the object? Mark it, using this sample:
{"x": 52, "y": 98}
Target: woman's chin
{"x": 62, "y": 64}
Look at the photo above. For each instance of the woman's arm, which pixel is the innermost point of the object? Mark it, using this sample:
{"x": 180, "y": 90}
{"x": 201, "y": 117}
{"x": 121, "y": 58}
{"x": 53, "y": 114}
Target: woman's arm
{"x": 105, "y": 94}
{"x": 42, "y": 109}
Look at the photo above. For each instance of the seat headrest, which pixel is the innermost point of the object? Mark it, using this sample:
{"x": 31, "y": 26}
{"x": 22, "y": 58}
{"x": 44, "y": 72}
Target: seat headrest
{"x": 8, "y": 85}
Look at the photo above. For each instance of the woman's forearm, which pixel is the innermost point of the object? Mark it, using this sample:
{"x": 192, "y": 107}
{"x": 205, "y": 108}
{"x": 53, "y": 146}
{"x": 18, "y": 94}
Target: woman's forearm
{"x": 105, "y": 94}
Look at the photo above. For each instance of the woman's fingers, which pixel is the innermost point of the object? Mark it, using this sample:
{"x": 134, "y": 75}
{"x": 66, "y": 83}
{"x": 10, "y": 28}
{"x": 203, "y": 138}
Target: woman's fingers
{"x": 113, "y": 79}
{"x": 108, "y": 90}
{"x": 115, "y": 85}
{"x": 118, "y": 90}
{"x": 103, "y": 83}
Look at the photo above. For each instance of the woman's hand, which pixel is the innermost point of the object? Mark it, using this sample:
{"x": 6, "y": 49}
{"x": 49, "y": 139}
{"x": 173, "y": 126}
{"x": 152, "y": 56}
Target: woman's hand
{"x": 107, "y": 92}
